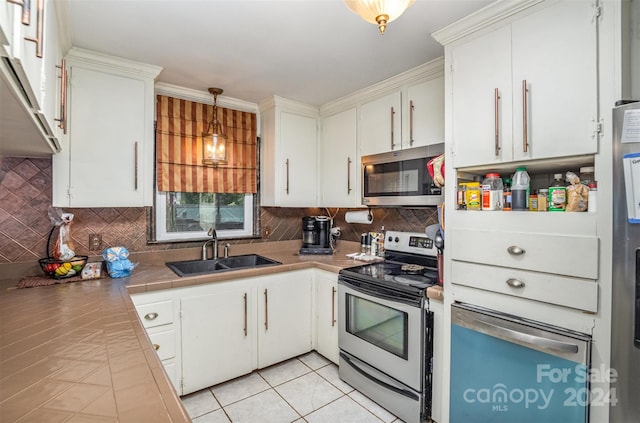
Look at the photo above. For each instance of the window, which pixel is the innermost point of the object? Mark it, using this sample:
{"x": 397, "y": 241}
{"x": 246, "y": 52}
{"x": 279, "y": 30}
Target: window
{"x": 191, "y": 198}
{"x": 184, "y": 215}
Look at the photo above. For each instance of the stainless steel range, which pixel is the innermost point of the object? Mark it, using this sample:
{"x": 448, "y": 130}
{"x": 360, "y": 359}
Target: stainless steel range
{"x": 386, "y": 329}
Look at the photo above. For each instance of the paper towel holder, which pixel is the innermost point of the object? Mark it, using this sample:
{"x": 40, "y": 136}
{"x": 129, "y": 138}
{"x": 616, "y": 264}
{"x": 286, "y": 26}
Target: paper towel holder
{"x": 363, "y": 217}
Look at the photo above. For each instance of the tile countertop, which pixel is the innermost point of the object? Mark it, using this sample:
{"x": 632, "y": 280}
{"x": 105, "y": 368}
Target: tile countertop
{"x": 77, "y": 352}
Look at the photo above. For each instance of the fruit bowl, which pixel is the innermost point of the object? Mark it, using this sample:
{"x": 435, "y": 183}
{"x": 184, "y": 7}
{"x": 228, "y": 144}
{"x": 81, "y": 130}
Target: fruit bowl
{"x": 60, "y": 269}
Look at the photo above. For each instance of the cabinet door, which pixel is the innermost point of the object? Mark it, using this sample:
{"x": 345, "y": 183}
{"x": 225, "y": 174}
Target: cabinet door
{"x": 218, "y": 335}
{"x": 425, "y": 114}
{"x": 555, "y": 52}
{"x": 107, "y": 132}
{"x": 298, "y": 138}
{"x": 327, "y": 315}
{"x": 284, "y": 317}
{"x": 481, "y": 67}
{"x": 380, "y": 124}
{"x": 339, "y": 161}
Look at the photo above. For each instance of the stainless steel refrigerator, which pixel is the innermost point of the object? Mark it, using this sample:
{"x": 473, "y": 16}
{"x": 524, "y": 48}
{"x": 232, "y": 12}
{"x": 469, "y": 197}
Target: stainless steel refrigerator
{"x": 625, "y": 330}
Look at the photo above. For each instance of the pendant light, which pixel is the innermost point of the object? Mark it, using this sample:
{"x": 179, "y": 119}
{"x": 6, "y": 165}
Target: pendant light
{"x": 214, "y": 142}
{"x": 379, "y": 12}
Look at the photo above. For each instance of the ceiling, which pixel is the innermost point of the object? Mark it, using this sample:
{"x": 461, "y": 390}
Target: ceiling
{"x": 312, "y": 51}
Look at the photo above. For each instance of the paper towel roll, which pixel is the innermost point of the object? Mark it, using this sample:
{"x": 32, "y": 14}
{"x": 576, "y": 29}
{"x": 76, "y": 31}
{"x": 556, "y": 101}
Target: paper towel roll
{"x": 358, "y": 217}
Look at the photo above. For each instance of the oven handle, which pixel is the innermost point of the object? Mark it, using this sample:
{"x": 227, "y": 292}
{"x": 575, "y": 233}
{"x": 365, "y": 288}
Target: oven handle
{"x": 376, "y": 293}
{"x": 394, "y": 388}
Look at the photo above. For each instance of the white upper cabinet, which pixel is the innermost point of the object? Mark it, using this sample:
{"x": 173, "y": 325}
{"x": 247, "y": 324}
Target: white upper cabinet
{"x": 339, "y": 161}
{"x": 528, "y": 89}
{"x": 424, "y": 123}
{"x": 33, "y": 53}
{"x": 408, "y": 112}
{"x": 108, "y": 161}
{"x": 289, "y": 153}
{"x": 381, "y": 124}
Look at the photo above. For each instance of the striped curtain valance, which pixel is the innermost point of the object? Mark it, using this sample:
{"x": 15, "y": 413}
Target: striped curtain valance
{"x": 179, "y": 128}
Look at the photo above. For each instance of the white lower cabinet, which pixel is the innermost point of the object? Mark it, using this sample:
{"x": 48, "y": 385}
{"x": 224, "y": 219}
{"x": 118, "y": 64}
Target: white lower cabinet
{"x": 284, "y": 316}
{"x": 218, "y": 333}
{"x": 211, "y": 333}
{"x": 326, "y": 293}
{"x": 159, "y": 315}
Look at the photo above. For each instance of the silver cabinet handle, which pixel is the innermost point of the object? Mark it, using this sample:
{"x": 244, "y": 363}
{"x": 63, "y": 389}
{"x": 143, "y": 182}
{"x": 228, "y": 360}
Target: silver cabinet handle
{"x": 62, "y": 120}
{"x": 333, "y": 306}
{"x": 515, "y": 250}
{"x": 151, "y": 316}
{"x": 392, "y": 127}
{"x": 286, "y": 163}
{"x": 135, "y": 166}
{"x": 26, "y": 10}
{"x": 266, "y": 309}
{"x": 245, "y": 314}
{"x": 515, "y": 283}
{"x": 156, "y": 347}
{"x": 496, "y": 103}
{"x": 525, "y": 143}
{"x": 411, "y": 122}
{"x": 348, "y": 175}
{"x": 39, "y": 26}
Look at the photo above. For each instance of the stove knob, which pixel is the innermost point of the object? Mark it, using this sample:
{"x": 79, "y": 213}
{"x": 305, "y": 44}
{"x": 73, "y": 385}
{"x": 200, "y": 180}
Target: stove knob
{"x": 397, "y": 239}
{"x": 390, "y": 238}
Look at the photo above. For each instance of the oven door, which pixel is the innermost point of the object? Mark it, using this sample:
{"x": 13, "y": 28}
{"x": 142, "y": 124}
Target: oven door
{"x": 400, "y": 178}
{"x": 384, "y": 333}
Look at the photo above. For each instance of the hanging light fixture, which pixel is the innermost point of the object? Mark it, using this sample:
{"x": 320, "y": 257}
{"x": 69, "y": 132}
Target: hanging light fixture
{"x": 214, "y": 142}
{"x": 379, "y": 12}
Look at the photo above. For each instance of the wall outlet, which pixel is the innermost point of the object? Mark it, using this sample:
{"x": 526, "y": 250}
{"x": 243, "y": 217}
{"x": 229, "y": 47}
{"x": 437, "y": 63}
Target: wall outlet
{"x": 95, "y": 242}
{"x": 266, "y": 232}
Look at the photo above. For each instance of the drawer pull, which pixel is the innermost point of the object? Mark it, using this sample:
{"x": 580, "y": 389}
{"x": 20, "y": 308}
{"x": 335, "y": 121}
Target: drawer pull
{"x": 151, "y": 316}
{"x": 515, "y": 283}
{"x": 515, "y": 250}
{"x": 156, "y": 347}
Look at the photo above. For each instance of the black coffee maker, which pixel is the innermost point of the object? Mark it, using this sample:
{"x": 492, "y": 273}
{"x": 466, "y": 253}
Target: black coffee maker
{"x": 316, "y": 235}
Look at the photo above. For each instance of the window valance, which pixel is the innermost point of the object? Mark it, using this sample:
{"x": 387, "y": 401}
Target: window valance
{"x": 179, "y": 128}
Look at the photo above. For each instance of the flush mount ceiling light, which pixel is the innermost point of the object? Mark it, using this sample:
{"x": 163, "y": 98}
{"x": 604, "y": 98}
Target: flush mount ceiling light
{"x": 379, "y": 12}
{"x": 214, "y": 142}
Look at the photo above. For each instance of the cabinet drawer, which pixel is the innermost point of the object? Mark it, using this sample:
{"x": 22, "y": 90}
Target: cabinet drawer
{"x": 155, "y": 314}
{"x": 164, "y": 343}
{"x": 558, "y": 254}
{"x": 554, "y": 289}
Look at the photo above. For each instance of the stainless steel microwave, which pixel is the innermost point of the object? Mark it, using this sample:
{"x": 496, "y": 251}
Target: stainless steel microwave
{"x": 400, "y": 178}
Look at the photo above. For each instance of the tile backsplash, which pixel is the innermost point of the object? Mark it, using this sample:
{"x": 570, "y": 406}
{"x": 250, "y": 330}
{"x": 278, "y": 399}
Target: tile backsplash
{"x": 25, "y": 198}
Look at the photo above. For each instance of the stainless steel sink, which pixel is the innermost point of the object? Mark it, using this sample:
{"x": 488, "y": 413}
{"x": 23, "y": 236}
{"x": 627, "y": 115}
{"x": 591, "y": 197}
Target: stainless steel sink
{"x": 203, "y": 267}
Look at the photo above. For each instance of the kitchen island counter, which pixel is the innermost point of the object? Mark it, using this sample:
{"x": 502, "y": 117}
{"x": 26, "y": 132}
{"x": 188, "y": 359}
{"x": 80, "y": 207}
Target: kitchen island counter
{"x": 77, "y": 352}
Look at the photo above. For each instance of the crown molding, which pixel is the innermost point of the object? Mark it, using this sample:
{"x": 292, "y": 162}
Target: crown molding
{"x": 429, "y": 70}
{"x": 485, "y": 17}
{"x": 289, "y": 105}
{"x": 204, "y": 97}
{"x": 107, "y": 62}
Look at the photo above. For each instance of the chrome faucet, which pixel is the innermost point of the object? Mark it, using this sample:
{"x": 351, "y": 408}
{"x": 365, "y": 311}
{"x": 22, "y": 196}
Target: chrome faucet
{"x": 214, "y": 239}
{"x": 226, "y": 250}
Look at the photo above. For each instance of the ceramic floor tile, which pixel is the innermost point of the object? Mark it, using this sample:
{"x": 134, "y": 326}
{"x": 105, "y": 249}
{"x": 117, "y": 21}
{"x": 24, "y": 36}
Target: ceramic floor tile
{"x": 374, "y": 408}
{"x": 314, "y": 360}
{"x": 200, "y": 403}
{"x": 240, "y": 388}
{"x": 217, "y": 416}
{"x": 330, "y": 373}
{"x": 267, "y": 406}
{"x": 284, "y": 372}
{"x": 308, "y": 393}
{"x": 342, "y": 410}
